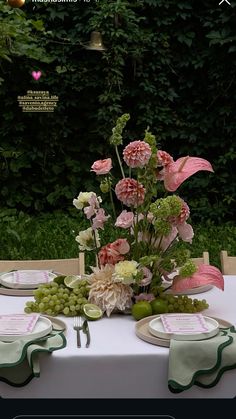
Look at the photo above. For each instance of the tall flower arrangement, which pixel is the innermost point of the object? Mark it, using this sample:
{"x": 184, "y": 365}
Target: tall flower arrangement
{"x": 149, "y": 228}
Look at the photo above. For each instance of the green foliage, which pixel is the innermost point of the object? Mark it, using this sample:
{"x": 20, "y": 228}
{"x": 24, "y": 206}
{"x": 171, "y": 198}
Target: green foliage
{"x": 169, "y": 64}
{"x": 52, "y": 236}
{"x": 19, "y": 35}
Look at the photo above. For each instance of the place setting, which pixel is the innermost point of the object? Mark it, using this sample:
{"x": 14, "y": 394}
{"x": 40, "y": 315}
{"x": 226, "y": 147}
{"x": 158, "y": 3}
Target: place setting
{"x": 24, "y": 282}
{"x": 22, "y": 338}
{"x": 201, "y": 348}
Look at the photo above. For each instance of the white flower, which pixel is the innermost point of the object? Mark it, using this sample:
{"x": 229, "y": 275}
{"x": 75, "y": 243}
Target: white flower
{"x": 106, "y": 293}
{"x": 125, "y": 271}
{"x": 86, "y": 239}
{"x": 82, "y": 199}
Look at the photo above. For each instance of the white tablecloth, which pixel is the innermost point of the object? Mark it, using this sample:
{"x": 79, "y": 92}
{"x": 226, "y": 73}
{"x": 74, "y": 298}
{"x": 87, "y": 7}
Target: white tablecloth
{"x": 117, "y": 364}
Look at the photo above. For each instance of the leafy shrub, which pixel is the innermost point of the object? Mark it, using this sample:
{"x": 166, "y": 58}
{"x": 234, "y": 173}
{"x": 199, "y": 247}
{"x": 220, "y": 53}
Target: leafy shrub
{"x": 169, "y": 64}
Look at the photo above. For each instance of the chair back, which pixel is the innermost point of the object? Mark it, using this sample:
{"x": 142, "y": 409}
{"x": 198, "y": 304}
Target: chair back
{"x": 228, "y": 263}
{"x": 204, "y": 259}
{"x": 74, "y": 266}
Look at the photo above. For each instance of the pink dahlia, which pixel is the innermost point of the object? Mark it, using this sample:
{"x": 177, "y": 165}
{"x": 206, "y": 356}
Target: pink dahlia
{"x": 164, "y": 158}
{"x": 130, "y": 192}
{"x": 183, "y": 216}
{"x": 137, "y": 154}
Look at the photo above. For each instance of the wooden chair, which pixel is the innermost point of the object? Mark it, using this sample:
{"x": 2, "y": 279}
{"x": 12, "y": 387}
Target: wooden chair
{"x": 64, "y": 266}
{"x": 204, "y": 259}
{"x": 228, "y": 263}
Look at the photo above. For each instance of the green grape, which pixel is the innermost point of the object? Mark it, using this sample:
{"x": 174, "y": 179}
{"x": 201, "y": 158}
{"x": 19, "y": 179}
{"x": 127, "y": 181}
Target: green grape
{"x": 28, "y": 310}
{"x": 66, "y": 310}
{"x": 54, "y": 299}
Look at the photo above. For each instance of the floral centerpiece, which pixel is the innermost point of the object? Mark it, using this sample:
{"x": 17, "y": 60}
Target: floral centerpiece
{"x": 146, "y": 253}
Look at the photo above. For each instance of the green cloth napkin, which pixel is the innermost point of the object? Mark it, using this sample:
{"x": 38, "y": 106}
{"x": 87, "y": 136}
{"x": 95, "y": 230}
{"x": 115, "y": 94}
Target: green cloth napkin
{"x": 201, "y": 362}
{"x": 19, "y": 360}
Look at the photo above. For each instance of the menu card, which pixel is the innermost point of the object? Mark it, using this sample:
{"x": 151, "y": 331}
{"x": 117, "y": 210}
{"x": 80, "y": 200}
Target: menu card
{"x": 184, "y": 323}
{"x": 30, "y": 277}
{"x": 17, "y": 324}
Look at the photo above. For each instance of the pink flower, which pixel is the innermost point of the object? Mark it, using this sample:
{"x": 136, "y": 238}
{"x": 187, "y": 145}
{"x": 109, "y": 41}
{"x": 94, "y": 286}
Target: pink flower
{"x": 99, "y": 219}
{"x": 164, "y": 158}
{"x": 183, "y": 216}
{"x": 101, "y": 167}
{"x": 93, "y": 206}
{"x": 206, "y": 274}
{"x": 147, "y": 277}
{"x": 106, "y": 255}
{"x": 176, "y": 173}
{"x": 121, "y": 245}
{"x": 130, "y": 192}
{"x": 167, "y": 240}
{"x": 137, "y": 154}
{"x": 125, "y": 219}
{"x": 113, "y": 252}
{"x": 185, "y": 231}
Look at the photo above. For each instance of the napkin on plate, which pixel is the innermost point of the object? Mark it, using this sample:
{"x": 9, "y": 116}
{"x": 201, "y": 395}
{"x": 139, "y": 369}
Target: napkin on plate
{"x": 19, "y": 360}
{"x": 201, "y": 362}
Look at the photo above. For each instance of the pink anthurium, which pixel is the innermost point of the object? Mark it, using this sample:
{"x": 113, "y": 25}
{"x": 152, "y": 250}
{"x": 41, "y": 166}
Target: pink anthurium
{"x": 177, "y": 172}
{"x": 205, "y": 274}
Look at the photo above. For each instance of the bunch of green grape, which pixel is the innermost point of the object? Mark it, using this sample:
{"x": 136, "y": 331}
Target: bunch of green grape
{"x": 181, "y": 303}
{"x": 184, "y": 304}
{"x": 53, "y": 299}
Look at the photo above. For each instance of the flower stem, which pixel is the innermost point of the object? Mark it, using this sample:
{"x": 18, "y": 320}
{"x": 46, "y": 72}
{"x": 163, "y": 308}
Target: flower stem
{"x": 119, "y": 160}
{"x": 111, "y": 197}
{"x": 96, "y": 248}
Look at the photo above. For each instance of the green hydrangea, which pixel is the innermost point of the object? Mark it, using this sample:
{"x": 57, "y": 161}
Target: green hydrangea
{"x": 166, "y": 207}
{"x": 188, "y": 269}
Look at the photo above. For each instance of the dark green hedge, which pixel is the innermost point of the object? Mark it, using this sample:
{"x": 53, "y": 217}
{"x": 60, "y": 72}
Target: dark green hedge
{"x": 170, "y": 64}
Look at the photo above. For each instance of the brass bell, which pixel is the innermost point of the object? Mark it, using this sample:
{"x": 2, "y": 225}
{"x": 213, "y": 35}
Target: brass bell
{"x": 95, "y": 42}
{"x": 16, "y": 3}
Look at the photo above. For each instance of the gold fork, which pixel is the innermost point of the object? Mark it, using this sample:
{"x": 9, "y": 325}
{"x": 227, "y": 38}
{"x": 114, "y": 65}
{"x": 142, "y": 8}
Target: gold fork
{"x": 78, "y": 326}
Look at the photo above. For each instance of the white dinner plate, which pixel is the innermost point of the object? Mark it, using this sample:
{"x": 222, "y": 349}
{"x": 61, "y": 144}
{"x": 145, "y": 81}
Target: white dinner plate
{"x": 156, "y": 328}
{"x": 7, "y": 279}
{"x": 42, "y": 328}
{"x": 142, "y": 331}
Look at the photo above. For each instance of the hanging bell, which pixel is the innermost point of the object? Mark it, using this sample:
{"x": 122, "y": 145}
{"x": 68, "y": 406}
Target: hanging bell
{"x": 95, "y": 43}
{"x": 16, "y": 3}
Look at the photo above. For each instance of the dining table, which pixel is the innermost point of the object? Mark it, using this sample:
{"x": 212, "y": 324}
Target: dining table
{"x": 117, "y": 364}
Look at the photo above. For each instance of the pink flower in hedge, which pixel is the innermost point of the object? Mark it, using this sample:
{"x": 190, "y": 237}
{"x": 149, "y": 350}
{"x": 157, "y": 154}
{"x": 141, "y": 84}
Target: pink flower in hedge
{"x": 101, "y": 167}
{"x": 205, "y": 274}
{"x": 176, "y": 173}
{"x": 99, "y": 219}
{"x": 113, "y": 252}
{"x": 137, "y": 154}
{"x": 164, "y": 158}
{"x": 125, "y": 219}
{"x": 130, "y": 192}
